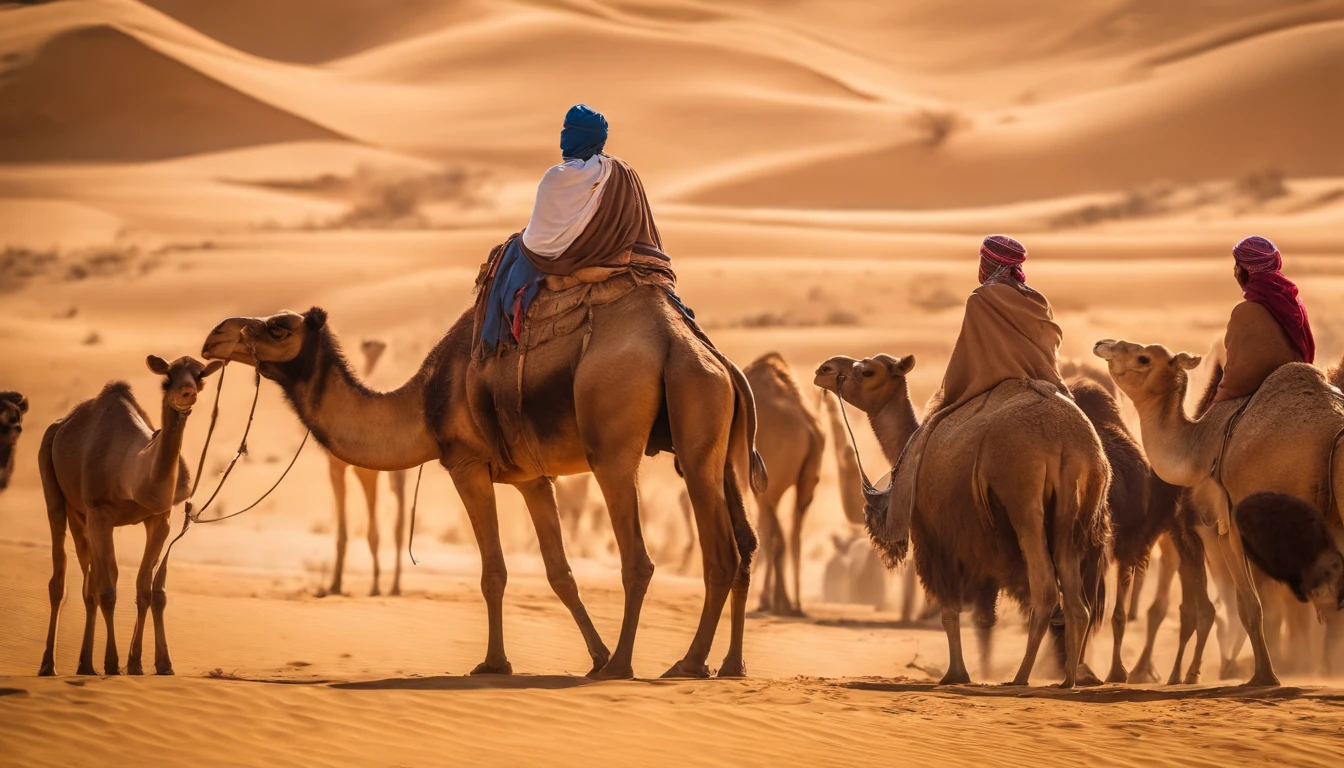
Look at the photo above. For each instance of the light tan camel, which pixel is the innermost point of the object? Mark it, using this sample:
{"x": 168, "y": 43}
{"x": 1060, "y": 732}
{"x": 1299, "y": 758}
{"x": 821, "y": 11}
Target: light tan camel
{"x": 1283, "y": 443}
{"x": 583, "y": 402}
{"x": 860, "y": 556}
{"x": 1011, "y": 495}
{"x": 12, "y": 408}
{"x": 104, "y": 466}
{"x": 792, "y": 445}
{"x": 373, "y": 350}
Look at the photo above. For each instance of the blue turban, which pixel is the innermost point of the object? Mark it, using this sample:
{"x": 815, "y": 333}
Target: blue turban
{"x": 584, "y": 134}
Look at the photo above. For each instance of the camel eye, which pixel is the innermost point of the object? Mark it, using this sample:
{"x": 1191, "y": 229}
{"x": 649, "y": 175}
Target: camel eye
{"x": 1143, "y": 360}
{"x": 867, "y": 374}
{"x": 277, "y": 333}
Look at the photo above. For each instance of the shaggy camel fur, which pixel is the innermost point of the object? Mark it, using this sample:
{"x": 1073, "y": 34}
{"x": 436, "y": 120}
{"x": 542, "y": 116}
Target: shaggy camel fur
{"x": 583, "y": 402}
{"x": 12, "y": 408}
{"x": 1287, "y": 539}
{"x": 792, "y": 446}
{"x": 1015, "y": 499}
{"x": 869, "y": 585}
{"x": 373, "y": 350}
{"x": 104, "y": 466}
{"x": 1143, "y": 508}
{"x": 1283, "y": 442}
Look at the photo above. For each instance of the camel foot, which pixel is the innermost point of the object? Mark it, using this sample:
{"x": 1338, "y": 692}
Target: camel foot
{"x": 1228, "y": 670}
{"x": 1066, "y": 685}
{"x": 333, "y": 591}
{"x": 686, "y": 668}
{"x": 86, "y": 668}
{"x": 1262, "y": 680}
{"x": 395, "y": 591}
{"x": 1017, "y": 682}
{"x": 489, "y": 668}
{"x": 134, "y": 667}
{"x": 614, "y": 671}
{"x": 164, "y": 668}
{"x": 733, "y": 668}
{"x": 375, "y": 592}
{"x": 1117, "y": 674}
{"x": 956, "y": 677}
{"x": 111, "y": 670}
{"x": 1144, "y": 673}
{"x": 1086, "y": 677}
{"x": 1192, "y": 677}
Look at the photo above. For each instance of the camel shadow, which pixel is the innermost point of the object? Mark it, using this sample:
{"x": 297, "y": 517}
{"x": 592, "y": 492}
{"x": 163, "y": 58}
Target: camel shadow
{"x": 879, "y": 624}
{"x": 1107, "y": 694}
{"x": 469, "y": 683}
{"x": 12, "y": 692}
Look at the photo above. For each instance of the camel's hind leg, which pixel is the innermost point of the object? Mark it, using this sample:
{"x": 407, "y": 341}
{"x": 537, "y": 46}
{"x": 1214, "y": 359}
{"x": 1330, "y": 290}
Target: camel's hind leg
{"x": 1041, "y": 578}
{"x": 477, "y": 490}
{"x": 956, "y": 661}
{"x": 539, "y": 495}
{"x": 103, "y": 563}
{"x": 156, "y": 534}
{"x": 89, "y": 590}
{"x": 805, "y": 491}
{"x": 1195, "y": 589}
{"x": 397, "y": 481}
{"x": 1124, "y": 580}
{"x": 56, "y": 519}
{"x": 774, "y": 599}
{"x": 1248, "y": 606}
{"x": 368, "y": 479}
{"x": 336, "y": 470}
{"x": 1145, "y": 671}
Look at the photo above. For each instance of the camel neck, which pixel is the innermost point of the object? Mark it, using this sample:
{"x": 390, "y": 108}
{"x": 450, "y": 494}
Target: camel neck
{"x": 165, "y": 448}
{"x": 894, "y": 424}
{"x": 375, "y": 430}
{"x": 1171, "y": 439}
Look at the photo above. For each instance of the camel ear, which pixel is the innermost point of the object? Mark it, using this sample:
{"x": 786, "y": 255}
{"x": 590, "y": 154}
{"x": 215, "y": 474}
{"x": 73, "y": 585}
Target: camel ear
{"x": 897, "y": 366}
{"x": 1186, "y": 361}
{"x": 316, "y": 318}
{"x": 211, "y": 367}
{"x": 157, "y": 365}
{"x": 1104, "y": 349}
{"x": 905, "y": 364}
{"x": 23, "y": 405}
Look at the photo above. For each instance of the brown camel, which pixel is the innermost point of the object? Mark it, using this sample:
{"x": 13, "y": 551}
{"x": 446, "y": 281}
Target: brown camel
{"x": 1142, "y": 508}
{"x": 1014, "y": 498}
{"x": 12, "y": 407}
{"x": 792, "y": 446}
{"x": 863, "y": 561}
{"x": 1284, "y": 442}
{"x": 104, "y": 466}
{"x": 585, "y": 401}
{"x": 373, "y": 350}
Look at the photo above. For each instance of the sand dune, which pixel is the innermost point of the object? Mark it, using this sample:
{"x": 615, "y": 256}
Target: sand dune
{"x": 99, "y": 94}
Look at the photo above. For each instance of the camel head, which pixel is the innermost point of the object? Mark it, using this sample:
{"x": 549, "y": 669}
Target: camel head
{"x": 867, "y": 384}
{"x": 373, "y": 350}
{"x": 182, "y": 379}
{"x": 277, "y": 346}
{"x": 12, "y": 407}
{"x": 1147, "y": 373}
{"x": 1324, "y": 583}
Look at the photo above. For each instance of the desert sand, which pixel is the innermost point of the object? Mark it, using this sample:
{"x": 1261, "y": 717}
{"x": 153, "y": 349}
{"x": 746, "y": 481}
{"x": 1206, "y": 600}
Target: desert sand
{"x": 822, "y": 173}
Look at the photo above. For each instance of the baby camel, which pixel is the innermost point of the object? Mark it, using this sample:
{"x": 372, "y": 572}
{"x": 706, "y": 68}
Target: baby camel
{"x": 104, "y": 466}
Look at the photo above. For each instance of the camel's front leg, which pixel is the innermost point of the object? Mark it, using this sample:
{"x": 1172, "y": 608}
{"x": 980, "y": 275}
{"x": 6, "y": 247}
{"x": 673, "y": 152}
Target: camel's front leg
{"x": 617, "y": 480}
{"x": 956, "y": 661}
{"x": 1248, "y": 604}
{"x": 478, "y": 496}
{"x": 336, "y": 469}
{"x": 156, "y": 533}
{"x": 397, "y": 480}
{"x": 105, "y": 566}
{"x": 540, "y": 497}
{"x": 368, "y": 479}
{"x": 1124, "y": 581}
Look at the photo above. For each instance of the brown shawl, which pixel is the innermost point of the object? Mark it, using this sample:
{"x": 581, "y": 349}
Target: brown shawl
{"x": 623, "y": 221}
{"x": 1256, "y": 347}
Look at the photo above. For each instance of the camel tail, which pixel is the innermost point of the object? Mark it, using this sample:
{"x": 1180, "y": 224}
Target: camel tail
{"x": 743, "y": 533}
{"x": 1087, "y": 526}
{"x": 746, "y": 406}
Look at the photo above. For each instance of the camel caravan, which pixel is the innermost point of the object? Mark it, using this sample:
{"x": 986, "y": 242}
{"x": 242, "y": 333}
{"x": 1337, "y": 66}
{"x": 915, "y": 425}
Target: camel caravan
{"x": 577, "y": 356}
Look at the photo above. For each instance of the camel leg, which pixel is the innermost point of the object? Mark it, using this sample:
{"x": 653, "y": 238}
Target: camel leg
{"x": 956, "y": 661}
{"x": 477, "y": 491}
{"x": 908, "y": 593}
{"x": 1248, "y": 606}
{"x": 688, "y": 517}
{"x": 1044, "y": 591}
{"x": 368, "y": 479}
{"x": 1195, "y": 592}
{"x": 398, "y": 482}
{"x": 1140, "y": 577}
{"x": 1124, "y": 581}
{"x": 104, "y": 564}
{"x": 336, "y": 468}
{"x": 163, "y": 661}
{"x": 1145, "y": 671}
{"x": 985, "y": 617}
{"x": 743, "y": 546}
{"x": 1231, "y": 634}
{"x": 1076, "y": 614}
{"x": 772, "y": 544}
{"x": 89, "y": 590}
{"x": 804, "y": 492}
{"x": 156, "y": 534}
{"x": 56, "y": 519}
{"x": 539, "y": 495}
{"x": 619, "y": 488}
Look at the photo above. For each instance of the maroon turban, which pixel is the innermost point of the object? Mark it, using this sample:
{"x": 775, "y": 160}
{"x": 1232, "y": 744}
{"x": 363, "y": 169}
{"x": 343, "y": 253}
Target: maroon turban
{"x": 1000, "y": 252}
{"x": 1266, "y": 286}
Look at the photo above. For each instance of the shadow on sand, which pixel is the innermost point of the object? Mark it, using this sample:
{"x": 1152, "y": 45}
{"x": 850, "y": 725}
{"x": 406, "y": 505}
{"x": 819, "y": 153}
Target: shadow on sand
{"x": 469, "y": 683}
{"x": 12, "y": 692}
{"x": 1107, "y": 694}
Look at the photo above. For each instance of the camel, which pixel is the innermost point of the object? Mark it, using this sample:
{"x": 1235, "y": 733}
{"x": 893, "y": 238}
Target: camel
{"x": 103, "y": 466}
{"x": 792, "y": 446}
{"x": 638, "y": 378}
{"x": 1283, "y": 442}
{"x": 373, "y": 350}
{"x": 12, "y": 408}
{"x": 860, "y": 560}
{"x": 1142, "y": 508}
{"x": 1011, "y": 462}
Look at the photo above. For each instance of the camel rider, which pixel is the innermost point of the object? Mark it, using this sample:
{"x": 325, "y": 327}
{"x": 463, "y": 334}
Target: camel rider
{"x": 590, "y": 210}
{"x": 1008, "y": 331}
{"x": 1268, "y": 329}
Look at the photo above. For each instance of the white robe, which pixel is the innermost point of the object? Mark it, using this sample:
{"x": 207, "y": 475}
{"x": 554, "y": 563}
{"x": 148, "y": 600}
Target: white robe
{"x": 567, "y": 199}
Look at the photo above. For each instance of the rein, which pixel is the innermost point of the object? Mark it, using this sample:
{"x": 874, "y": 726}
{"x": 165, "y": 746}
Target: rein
{"x": 194, "y": 516}
{"x": 868, "y": 487}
